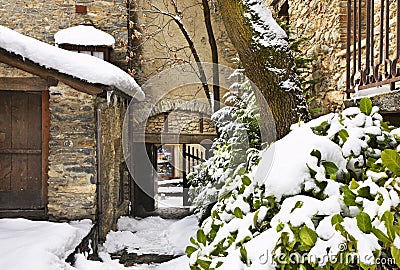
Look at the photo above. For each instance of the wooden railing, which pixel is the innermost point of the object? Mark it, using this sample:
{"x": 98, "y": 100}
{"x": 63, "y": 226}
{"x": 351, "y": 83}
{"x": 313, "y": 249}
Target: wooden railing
{"x": 373, "y": 44}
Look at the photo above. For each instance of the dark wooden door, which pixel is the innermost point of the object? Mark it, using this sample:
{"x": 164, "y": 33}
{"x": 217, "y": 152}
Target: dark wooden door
{"x": 21, "y": 186}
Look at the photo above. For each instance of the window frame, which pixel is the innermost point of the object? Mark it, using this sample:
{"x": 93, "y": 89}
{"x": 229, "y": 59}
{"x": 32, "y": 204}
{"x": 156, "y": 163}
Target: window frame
{"x": 104, "y": 49}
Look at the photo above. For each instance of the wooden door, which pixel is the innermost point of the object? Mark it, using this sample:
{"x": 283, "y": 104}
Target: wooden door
{"x": 21, "y": 143}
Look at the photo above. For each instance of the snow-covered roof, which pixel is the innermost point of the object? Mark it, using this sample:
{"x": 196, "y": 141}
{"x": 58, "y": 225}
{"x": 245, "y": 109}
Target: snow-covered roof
{"x": 86, "y": 35}
{"x": 81, "y": 66}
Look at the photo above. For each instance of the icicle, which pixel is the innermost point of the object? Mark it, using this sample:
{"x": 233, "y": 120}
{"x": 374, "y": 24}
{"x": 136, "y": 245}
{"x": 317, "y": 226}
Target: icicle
{"x": 109, "y": 95}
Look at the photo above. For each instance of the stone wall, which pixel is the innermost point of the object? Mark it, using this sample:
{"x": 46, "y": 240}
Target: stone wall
{"x": 323, "y": 24}
{"x": 72, "y": 156}
{"x": 114, "y": 173}
{"x": 164, "y": 46}
{"x": 42, "y": 19}
{"x": 180, "y": 122}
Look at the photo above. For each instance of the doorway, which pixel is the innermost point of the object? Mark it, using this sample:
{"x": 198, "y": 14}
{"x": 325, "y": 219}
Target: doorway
{"x": 23, "y": 153}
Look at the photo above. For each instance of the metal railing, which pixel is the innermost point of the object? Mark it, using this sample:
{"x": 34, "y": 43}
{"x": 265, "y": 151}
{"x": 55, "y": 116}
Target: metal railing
{"x": 371, "y": 28}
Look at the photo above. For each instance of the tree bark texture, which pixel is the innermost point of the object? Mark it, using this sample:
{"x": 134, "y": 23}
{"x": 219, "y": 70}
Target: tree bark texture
{"x": 267, "y": 60}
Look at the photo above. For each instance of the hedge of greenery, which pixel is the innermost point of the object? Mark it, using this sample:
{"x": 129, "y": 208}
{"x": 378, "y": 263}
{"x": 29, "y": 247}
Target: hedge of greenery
{"x": 326, "y": 196}
{"x": 236, "y": 150}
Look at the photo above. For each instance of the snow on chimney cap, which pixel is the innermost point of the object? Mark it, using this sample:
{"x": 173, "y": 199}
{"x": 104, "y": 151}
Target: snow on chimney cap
{"x": 85, "y": 35}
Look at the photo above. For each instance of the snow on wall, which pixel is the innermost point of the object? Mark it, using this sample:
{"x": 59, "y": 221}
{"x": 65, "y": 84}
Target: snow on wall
{"x": 81, "y": 66}
{"x": 85, "y": 35}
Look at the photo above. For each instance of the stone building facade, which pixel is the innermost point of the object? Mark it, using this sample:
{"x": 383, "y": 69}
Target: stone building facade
{"x": 86, "y": 176}
{"x": 324, "y": 26}
{"x": 42, "y": 19}
{"x": 72, "y": 154}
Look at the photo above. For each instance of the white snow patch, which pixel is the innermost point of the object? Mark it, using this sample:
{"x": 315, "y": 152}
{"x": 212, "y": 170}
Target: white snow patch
{"x": 269, "y": 33}
{"x": 371, "y": 92}
{"x": 39, "y": 245}
{"x": 293, "y": 151}
{"x": 366, "y": 243}
{"x": 152, "y": 235}
{"x": 85, "y": 35}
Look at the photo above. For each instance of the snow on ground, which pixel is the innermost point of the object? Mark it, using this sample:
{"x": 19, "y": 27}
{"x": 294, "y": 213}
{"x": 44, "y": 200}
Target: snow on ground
{"x": 152, "y": 235}
{"x": 170, "y": 193}
{"x": 371, "y": 92}
{"x": 43, "y": 245}
{"x": 170, "y": 189}
{"x": 82, "y": 66}
{"x": 39, "y": 245}
{"x": 169, "y": 201}
{"x": 170, "y": 181}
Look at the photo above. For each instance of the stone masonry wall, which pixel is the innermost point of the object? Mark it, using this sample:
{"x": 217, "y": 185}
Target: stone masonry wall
{"x": 164, "y": 46}
{"x": 72, "y": 156}
{"x": 115, "y": 176}
{"x": 180, "y": 122}
{"x": 42, "y": 19}
{"x": 323, "y": 24}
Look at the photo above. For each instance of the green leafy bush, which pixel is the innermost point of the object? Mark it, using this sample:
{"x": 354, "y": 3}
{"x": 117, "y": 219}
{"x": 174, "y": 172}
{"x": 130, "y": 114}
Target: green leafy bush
{"x": 234, "y": 152}
{"x": 326, "y": 196}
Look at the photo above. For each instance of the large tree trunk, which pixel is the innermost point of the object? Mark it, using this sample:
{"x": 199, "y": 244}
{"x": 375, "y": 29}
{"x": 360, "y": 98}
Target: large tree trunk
{"x": 264, "y": 52}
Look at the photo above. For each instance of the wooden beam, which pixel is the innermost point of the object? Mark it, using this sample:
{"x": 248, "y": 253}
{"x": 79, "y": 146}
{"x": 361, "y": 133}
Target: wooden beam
{"x": 45, "y": 73}
{"x": 172, "y": 138}
{"x": 25, "y": 84}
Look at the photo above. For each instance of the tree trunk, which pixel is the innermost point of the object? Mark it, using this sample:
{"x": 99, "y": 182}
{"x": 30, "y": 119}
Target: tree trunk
{"x": 264, "y": 52}
{"x": 214, "y": 53}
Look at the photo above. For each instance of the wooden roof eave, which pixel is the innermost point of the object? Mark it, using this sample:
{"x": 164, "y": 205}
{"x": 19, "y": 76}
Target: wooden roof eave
{"x": 48, "y": 74}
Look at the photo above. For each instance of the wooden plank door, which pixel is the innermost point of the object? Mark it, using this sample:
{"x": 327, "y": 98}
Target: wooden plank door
{"x": 21, "y": 166}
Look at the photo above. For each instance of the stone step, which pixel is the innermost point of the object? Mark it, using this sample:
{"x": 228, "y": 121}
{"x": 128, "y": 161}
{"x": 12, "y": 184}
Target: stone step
{"x": 131, "y": 259}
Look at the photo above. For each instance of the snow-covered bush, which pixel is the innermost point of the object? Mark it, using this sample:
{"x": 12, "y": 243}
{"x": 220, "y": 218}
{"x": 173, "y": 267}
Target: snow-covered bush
{"x": 236, "y": 149}
{"x": 326, "y": 196}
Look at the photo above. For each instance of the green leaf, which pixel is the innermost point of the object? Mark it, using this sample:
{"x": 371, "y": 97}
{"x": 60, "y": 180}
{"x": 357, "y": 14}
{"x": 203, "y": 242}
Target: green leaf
{"x": 243, "y": 254}
{"x": 330, "y": 169}
{"x": 391, "y": 159}
{"x": 343, "y": 135}
{"x": 201, "y": 237}
{"x": 336, "y": 219}
{"x": 366, "y": 106}
{"x": 194, "y": 242}
{"x": 204, "y": 264}
{"x": 280, "y": 227}
{"x": 381, "y": 236}
{"x": 189, "y": 250}
{"x": 354, "y": 184}
{"x": 388, "y": 218}
{"x": 238, "y": 212}
{"x": 316, "y": 153}
{"x": 255, "y": 218}
{"x": 365, "y": 192}
{"x": 246, "y": 180}
{"x": 364, "y": 222}
{"x": 348, "y": 196}
{"x": 298, "y": 204}
{"x": 307, "y": 236}
{"x": 395, "y": 254}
